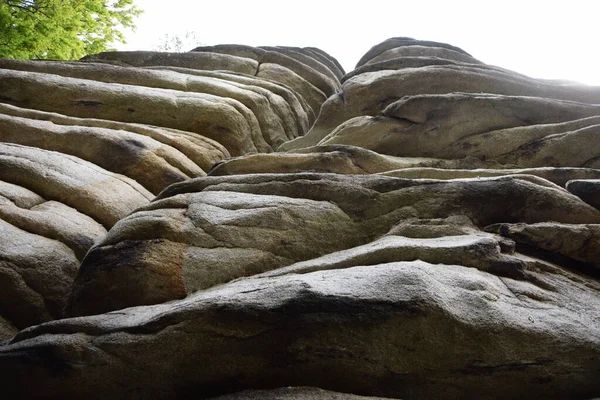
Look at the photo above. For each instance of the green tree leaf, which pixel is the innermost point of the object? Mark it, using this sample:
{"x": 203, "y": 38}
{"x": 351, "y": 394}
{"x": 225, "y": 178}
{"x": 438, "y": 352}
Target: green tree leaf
{"x": 62, "y": 29}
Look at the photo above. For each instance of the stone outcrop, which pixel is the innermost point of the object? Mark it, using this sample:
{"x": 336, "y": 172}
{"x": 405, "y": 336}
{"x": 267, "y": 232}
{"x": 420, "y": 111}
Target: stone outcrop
{"x": 83, "y": 144}
{"x": 249, "y": 222}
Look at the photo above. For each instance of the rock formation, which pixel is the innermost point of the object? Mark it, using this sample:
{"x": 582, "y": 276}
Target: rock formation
{"x": 251, "y": 220}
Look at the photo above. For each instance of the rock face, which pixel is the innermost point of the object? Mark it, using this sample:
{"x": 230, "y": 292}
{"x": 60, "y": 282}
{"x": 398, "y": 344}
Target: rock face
{"x": 83, "y": 144}
{"x": 424, "y": 227}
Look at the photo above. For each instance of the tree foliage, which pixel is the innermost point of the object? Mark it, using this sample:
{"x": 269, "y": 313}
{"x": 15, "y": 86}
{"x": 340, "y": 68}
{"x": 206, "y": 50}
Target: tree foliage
{"x": 62, "y": 29}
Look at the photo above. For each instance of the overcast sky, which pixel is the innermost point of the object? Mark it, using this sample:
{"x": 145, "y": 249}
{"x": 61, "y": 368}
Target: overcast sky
{"x": 542, "y": 39}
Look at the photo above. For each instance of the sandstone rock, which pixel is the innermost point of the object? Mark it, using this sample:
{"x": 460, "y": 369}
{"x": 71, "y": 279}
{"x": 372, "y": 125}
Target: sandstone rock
{"x": 398, "y": 63}
{"x": 558, "y": 176}
{"x": 274, "y": 127}
{"x": 56, "y": 221}
{"x": 344, "y": 159}
{"x": 143, "y": 159}
{"x": 43, "y": 243}
{"x": 399, "y": 42}
{"x": 368, "y": 94}
{"x": 194, "y": 241}
{"x": 89, "y": 189}
{"x": 7, "y": 330}
{"x": 427, "y": 126}
{"x": 423, "y": 51}
{"x": 382, "y": 330}
{"x": 417, "y": 242}
{"x": 202, "y": 151}
{"x": 35, "y": 276}
{"x": 301, "y": 111}
{"x": 339, "y": 159}
{"x": 586, "y": 189}
{"x": 307, "y": 67}
{"x": 313, "y": 95}
{"x": 18, "y": 195}
{"x": 335, "y": 158}
{"x": 578, "y": 242}
{"x": 293, "y": 59}
{"x": 86, "y": 143}
{"x": 204, "y": 61}
{"x": 208, "y": 231}
{"x": 225, "y": 120}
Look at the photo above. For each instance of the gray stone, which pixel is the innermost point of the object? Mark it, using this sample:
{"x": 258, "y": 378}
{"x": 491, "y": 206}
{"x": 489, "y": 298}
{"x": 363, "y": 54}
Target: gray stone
{"x": 586, "y": 189}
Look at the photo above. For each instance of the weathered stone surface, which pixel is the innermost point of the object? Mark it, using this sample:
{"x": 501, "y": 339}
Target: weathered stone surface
{"x": 204, "y": 61}
{"x": 225, "y": 120}
{"x": 558, "y": 176}
{"x": 83, "y": 144}
{"x": 578, "y": 242}
{"x": 369, "y": 94}
{"x": 53, "y": 208}
{"x": 208, "y": 231}
{"x": 399, "y": 42}
{"x": 35, "y": 276}
{"x": 274, "y": 127}
{"x": 202, "y": 151}
{"x": 141, "y": 158}
{"x": 341, "y": 159}
{"x": 423, "y": 51}
{"x": 587, "y": 189}
{"x": 434, "y": 235}
{"x": 301, "y": 111}
{"x": 7, "y": 331}
{"x": 344, "y": 159}
{"x": 91, "y": 190}
{"x": 383, "y": 329}
{"x": 30, "y": 212}
{"x": 313, "y": 95}
{"x": 294, "y": 59}
{"x": 398, "y": 63}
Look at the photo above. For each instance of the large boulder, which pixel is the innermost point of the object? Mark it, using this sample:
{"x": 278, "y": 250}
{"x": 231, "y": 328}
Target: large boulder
{"x": 400, "y": 329}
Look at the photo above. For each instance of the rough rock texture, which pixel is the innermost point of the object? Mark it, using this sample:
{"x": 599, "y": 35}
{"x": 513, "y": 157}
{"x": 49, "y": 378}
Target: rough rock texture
{"x": 435, "y": 234}
{"x": 587, "y": 189}
{"x": 83, "y": 144}
{"x": 421, "y": 103}
{"x": 205, "y": 232}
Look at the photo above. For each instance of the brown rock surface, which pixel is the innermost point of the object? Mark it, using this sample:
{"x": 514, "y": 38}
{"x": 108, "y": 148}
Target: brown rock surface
{"x": 434, "y": 235}
{"x": 83, "y": 144}
{"x": 211, "y": 230}
{"x": 381, "y": 329}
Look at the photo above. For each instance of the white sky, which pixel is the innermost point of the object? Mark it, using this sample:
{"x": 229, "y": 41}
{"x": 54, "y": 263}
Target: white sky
{"x": 544, "y": 39}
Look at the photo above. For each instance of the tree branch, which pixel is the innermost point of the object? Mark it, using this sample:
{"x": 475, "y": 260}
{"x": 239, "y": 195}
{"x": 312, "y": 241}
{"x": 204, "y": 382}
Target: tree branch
{"x": 28, "y": 6}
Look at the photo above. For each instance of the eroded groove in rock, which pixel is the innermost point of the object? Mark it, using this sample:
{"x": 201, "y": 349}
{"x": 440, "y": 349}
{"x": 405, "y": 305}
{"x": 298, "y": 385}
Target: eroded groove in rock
{"x": 84, "y": 143}
{"x": 35, "y": 275}
{"x": 368, "y": 94}
{"x": 202, "y": 151}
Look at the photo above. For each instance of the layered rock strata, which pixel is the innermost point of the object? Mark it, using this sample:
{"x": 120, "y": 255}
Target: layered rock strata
{"x": 83, "y": 144}
{"x": 431, "y": 231}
